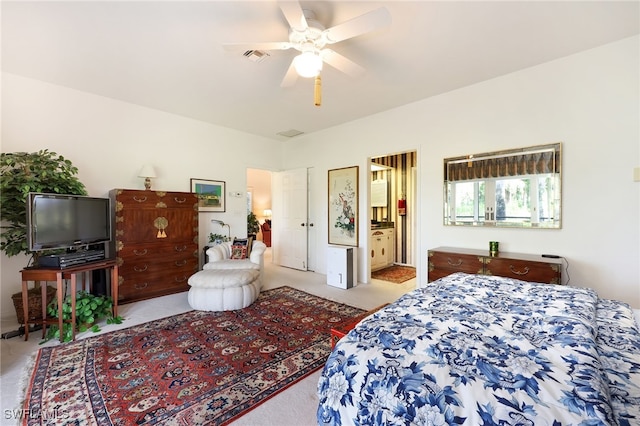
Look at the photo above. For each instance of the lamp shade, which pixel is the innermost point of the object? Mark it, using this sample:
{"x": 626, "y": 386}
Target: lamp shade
{"x": 147, "y": 171}
{"x": 307, "y": 64}
{"x": 266, "y": 212}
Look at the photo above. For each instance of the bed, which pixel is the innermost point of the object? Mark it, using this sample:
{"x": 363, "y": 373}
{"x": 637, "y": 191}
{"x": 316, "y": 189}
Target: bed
{"x": 482, "y": 350}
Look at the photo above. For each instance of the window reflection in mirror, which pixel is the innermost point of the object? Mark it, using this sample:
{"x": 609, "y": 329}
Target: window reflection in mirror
{"x": 514, "y": 188}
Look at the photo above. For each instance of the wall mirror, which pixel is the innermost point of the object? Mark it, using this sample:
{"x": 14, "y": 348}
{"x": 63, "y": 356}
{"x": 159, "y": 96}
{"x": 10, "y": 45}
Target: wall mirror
{"x": 512, "y": 188}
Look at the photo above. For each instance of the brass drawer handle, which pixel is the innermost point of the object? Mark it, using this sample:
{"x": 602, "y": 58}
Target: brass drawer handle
{"x": 181, "y": 263}
{"x": 140, "y": 253}
{"x": 139, "y": 199}
{"x": 181, "y": 280}
{"x": 180, "y": 200}
{"x": 183, "y": 248}
{"x": 523, "y": 272}
{"x": 141, "y": 286}
{"x": 139, "y": 269}
{"x": 458, "y": 263}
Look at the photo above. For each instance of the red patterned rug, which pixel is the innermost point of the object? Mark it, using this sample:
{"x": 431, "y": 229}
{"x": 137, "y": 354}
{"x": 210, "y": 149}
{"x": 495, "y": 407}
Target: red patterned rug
{"x": 395, "y": 273}
{"x": 197, "y": 368}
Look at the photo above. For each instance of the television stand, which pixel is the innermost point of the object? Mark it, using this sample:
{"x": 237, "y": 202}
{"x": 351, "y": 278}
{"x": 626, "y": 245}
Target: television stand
{"x": 40, "y": 275}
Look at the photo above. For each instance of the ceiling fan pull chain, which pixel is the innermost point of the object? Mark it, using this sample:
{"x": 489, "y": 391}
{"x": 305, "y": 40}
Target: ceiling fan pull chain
{"x": 317, "y": 91}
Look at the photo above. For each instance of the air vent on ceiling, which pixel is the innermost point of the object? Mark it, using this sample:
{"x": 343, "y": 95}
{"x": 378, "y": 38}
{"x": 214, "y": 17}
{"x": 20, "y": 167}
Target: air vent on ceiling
{"x": 290, "y": 133}
{"x": 255, "y": 55}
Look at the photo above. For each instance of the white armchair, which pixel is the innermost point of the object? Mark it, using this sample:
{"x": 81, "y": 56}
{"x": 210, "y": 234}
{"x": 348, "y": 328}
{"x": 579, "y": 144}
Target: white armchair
{"x": 225, "y": 283}
{"x": 219, "y": 257}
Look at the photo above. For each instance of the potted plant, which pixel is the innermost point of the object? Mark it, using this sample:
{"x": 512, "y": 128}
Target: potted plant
{"x": 89, "y": 310}
{"x": 253, "y": 226}
{"x": 21, "y": 173}
{"x": 216, "y": 239}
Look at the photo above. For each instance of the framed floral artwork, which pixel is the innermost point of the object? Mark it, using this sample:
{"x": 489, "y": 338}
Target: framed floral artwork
{"x": 211, "y": 194}
{"x": 343, "y": 206}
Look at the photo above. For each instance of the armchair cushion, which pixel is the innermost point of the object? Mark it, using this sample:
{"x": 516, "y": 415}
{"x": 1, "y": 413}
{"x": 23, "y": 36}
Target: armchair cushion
{"x": 231, "y": 264}
{"x": 220, "y": 257}
{"x": 224, "y": 278}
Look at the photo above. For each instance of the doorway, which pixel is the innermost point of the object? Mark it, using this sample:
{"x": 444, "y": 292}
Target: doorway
{"x": 393, "y": 202}
{"x": 259, "y": 200}
{"x": 280, "y": 199}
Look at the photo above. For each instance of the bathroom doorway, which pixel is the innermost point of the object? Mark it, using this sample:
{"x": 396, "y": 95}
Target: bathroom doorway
{"x": 393, "y": 202}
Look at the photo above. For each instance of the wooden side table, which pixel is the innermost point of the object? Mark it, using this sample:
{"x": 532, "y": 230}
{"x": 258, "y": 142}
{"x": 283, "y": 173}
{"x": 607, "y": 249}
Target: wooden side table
{"x": 42, "y": 275}
{"x": 341, "y": 330}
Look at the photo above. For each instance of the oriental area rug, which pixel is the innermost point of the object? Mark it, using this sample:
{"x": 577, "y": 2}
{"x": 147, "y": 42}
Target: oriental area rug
{"x": 196, "y": 368}
{"x": 395, "y": 274}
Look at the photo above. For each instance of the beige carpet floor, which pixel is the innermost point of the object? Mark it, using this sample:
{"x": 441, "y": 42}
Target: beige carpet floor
{"x": 295, "y": 406}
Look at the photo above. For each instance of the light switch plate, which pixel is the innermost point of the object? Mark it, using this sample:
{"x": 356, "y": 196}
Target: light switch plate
{"x": 636, "y": 174}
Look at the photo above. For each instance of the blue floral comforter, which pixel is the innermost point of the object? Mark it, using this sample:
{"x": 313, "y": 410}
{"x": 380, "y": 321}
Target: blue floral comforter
{"x": 481, "y": 350}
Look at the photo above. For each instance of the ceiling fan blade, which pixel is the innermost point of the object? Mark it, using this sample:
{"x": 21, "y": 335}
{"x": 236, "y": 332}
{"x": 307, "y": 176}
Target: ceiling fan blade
{"x": 290, "y": 77}
{"x": 294, "y": 15}
{"x": 275, "y": 45}
{"x": 341, "y": 63}
{"x": 359, "y": 25}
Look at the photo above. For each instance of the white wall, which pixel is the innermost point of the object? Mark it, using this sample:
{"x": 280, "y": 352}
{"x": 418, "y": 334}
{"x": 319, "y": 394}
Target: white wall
{"x": 589, "y": 101}
{"x": 109, "y": 141}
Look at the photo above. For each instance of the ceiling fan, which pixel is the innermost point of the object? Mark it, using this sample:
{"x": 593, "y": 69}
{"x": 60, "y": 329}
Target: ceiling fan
{"x": 310, "y": 38}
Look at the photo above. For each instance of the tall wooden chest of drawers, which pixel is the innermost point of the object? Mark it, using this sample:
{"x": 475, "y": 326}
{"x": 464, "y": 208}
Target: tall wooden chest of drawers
{"x": 155, "y": 242}
{"x": 443, "y": 261}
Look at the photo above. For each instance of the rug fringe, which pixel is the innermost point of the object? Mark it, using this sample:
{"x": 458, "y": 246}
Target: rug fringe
{"x": 25, "y": 379}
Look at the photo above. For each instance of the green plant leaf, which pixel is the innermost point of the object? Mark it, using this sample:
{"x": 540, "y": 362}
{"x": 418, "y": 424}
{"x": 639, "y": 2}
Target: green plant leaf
{"x": 115, "y": 320}
{"x": 89, "y": 310}
{"x": 68, "y": 335}
{"x": 21, "y": 173}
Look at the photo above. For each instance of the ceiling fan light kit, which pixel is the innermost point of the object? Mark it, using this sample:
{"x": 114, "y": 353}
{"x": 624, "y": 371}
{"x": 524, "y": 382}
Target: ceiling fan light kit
{"x": 308, "y": 64}
{"x": 309, "y": 37}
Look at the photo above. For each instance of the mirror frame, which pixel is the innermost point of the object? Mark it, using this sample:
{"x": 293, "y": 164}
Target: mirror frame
{"x": 508, "y": 164}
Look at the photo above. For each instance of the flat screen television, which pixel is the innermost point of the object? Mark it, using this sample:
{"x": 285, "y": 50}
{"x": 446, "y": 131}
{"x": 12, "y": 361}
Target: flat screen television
{"x": 58, "y": 221}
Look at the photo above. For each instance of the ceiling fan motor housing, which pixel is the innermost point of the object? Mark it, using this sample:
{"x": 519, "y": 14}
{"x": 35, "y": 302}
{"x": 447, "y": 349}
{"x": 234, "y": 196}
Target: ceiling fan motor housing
{"x": 311, "y": 38}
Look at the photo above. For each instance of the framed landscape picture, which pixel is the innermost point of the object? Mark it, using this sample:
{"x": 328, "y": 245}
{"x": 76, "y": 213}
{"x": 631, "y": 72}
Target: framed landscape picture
{"x": 343, "y": 206}
{"x": 211, "y": 194}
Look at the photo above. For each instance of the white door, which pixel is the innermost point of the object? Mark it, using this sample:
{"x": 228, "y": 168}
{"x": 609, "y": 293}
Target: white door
{"x": 289, "y": 214}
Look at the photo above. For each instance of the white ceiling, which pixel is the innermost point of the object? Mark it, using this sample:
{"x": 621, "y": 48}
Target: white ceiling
{"x": 169, "y": 55}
